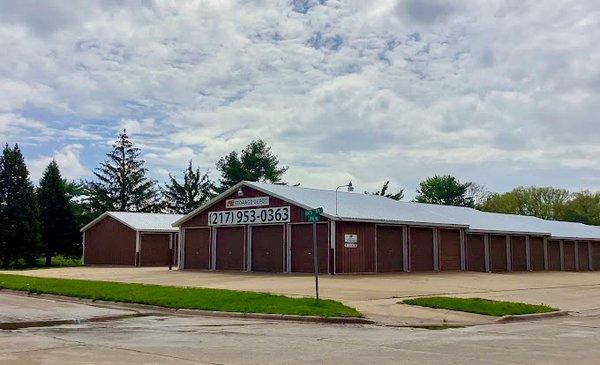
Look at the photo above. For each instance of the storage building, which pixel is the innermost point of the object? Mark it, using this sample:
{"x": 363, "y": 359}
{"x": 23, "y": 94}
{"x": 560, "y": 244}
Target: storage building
{"x": 135, "y": 239}
{"x": 261, "y": 227}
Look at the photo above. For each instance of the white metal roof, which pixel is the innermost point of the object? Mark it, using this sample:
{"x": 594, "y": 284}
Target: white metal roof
{"x": 147, "y": 222}
{"x": 364, "y": 207}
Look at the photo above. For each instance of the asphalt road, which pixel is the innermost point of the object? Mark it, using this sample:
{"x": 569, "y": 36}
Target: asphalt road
{"x": 178, "y": 339}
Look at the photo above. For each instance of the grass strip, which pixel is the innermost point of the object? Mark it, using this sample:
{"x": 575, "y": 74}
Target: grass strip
{"x": 180, "y": 298}
{"x": 480, "y": 306}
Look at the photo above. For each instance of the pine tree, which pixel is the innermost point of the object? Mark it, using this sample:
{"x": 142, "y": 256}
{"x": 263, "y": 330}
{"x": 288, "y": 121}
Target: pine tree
{"x": 255, "y": 163}
{"x": 121, "y": 183}
{"x": 195, "y": 190}
{"x": 19, "y": 226}
{"x": 383, "y": 192}
{"x": 59, "y": 228}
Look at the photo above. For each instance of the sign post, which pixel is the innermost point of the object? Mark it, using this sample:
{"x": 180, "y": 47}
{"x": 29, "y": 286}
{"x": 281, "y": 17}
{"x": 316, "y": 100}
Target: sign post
{"x": 314, "y": 215}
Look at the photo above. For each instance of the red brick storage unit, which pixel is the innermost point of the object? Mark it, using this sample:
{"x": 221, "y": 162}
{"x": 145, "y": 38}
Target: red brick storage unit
{"x": 261, "y": 227}
{"x": 133, "y": 239}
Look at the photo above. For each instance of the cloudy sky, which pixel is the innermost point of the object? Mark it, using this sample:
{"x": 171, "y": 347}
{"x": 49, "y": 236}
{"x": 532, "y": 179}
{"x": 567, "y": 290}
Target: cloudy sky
{"x": 503, "y": 93}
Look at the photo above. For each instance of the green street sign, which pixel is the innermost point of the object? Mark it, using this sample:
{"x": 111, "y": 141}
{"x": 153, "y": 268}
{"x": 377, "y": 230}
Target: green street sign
{"x": 313, "y": 215}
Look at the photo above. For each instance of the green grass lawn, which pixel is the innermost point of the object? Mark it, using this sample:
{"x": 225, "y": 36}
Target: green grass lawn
{"x": 174, "y": 297}
{"x": 479, "y": 306}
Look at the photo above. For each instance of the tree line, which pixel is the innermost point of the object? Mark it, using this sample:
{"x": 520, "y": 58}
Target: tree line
{"x": 44, "y": 221}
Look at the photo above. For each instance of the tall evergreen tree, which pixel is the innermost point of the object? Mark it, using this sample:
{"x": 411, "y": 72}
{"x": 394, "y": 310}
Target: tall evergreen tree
{"x": 254, "y": 163}
{"x": 194, "y": 191}
{"x": 19, "y": 226}
{"x": 59, "y": 228}
{"x": 121, "y": 183}
{"x": 76, "y": 195}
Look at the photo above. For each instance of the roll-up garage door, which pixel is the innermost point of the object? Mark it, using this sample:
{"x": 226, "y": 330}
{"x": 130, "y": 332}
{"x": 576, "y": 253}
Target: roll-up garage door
{"x": 553, "y": 255}
{"x": 267, "y": 248}
{"x": 569, "y": 255}
{"x": 449, "y": 249}
{"x": 498, "y": 253}
{"x": 475, "y": 252}
{"x": 518, "y": 253}
{"x": 595, "y": 255}
{"x": 154, "y": 249}
{"x": 584, "y": 260}
{"x": 421, "y": 249}
{"x": 536, "y": 252}
{"x": 197, "y": 248}
{"x": 389, "y": 249}
{"x": 230, "y": 248}
{"x": 302, "y": 247}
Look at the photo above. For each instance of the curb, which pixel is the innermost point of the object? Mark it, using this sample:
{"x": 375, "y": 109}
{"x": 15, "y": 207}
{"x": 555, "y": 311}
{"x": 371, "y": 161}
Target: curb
{"x": 531, "y": 317}
{"x": 157, "y": 310}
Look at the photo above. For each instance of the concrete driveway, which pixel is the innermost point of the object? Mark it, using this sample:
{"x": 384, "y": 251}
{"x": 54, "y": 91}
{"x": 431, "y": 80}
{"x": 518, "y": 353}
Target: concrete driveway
{"x": 375, "y": 295}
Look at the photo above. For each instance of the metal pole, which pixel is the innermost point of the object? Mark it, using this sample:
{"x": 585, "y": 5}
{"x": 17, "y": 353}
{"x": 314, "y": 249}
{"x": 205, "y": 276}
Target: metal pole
{"x": 315, "y": 261}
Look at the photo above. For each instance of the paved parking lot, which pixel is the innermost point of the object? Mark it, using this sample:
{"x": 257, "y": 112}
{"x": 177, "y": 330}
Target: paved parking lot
{"x": 376, "y": 295}
{"x": 173, "y": 339}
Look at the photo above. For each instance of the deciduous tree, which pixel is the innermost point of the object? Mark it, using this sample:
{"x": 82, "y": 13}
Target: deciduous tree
{"x": 444, "y": 190}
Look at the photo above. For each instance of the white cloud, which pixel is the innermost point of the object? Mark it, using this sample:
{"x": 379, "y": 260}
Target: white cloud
{"x": 504, "y": 93}
{"x": 68, "y": 160}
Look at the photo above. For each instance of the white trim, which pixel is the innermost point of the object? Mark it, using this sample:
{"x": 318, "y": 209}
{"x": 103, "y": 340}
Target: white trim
{"x": 181, "y": 249}
{"x": 138, "y": 243}
{"x": 332, "y": 242}
{"x": 288, "y": 232}
{"x": 284, "y": 243}
{"x": 213, "y": 248}
{"x": 436, "y": 249}
{"x": 503, "y": 233}
{"x": 83, "y": 249}
{"x": 248, "y": 233}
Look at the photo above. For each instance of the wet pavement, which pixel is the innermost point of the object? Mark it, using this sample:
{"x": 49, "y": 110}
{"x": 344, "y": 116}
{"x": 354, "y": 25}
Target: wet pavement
{"x": 173, "y": 339}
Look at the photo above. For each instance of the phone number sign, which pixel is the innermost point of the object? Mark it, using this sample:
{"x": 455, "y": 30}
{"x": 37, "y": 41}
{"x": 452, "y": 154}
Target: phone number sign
{"x": 249, "y": 216}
